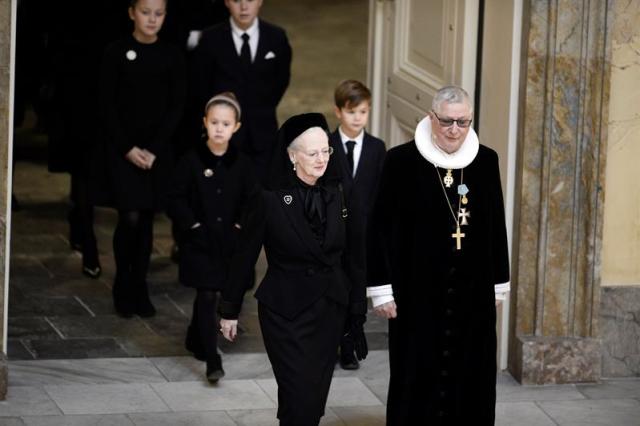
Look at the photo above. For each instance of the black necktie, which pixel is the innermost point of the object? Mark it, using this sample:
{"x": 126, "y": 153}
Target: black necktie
{"x": 245, "y": 51}
{"x": 350, "y": 146}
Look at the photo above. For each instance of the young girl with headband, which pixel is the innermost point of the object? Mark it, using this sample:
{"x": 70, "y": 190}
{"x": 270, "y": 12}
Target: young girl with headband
{"x": 207, "y": 201}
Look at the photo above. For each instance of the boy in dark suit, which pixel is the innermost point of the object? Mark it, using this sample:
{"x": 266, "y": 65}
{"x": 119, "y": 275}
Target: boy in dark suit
{"x": 360, "y": 157}
{"x": 251, "y": 58}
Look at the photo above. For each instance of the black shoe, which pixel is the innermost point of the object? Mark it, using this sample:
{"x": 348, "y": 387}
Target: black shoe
{"x": 348, "y": 360}
{"x": 91, "y": 266}
{"x": 214, "y": 370}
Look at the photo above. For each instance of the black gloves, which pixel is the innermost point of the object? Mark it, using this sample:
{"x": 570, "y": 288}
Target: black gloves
{"x": 355, "y": 333}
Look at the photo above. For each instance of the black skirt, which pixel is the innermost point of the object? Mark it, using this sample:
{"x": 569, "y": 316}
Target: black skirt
{"x": 303, "y": 354}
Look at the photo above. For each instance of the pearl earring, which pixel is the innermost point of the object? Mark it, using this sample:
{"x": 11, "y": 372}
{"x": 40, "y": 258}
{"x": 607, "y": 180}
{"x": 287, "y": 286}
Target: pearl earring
{"x": 294, "y": 165}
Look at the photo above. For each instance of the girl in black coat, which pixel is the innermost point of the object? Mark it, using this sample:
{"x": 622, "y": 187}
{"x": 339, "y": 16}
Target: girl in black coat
{"x": 315, "y": 278}
{"x": 207, "y": 201}
{"x": 142, "y": 94}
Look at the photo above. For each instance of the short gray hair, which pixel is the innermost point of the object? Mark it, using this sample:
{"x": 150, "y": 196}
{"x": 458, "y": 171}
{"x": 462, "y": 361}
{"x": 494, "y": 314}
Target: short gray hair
{"x": 297, "y": 142}
{"x": 451, "y": 95}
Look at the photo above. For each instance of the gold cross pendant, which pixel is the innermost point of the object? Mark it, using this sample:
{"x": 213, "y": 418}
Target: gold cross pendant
{"x": 458, "y": 237}
{"x": 448, "y": 179}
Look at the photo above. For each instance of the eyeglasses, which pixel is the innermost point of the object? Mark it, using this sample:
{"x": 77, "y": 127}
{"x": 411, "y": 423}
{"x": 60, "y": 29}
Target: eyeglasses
{"x": 325, "y": 152}
{"x": 448, "y": 122}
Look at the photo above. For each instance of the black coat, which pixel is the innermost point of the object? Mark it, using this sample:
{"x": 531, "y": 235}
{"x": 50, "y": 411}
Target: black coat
{"x": 142, "y": 95}
{"x": 217, "y": 68}
{"x": 300, "y": 270}
{"x": 212, "y": 191}
{"x": 442, "y": 345}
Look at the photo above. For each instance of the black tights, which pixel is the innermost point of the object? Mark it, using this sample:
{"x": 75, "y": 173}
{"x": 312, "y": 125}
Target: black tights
{"x": 81, "y": 219}
{"x": 132, "y": 244}
{"x": 205, "y": 322}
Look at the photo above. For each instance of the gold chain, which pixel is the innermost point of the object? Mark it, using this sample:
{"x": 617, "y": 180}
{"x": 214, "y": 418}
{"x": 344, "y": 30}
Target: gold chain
{"x": 455, "y": 219}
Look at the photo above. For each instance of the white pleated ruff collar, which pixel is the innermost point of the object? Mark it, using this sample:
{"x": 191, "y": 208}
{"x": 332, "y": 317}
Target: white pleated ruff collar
{"x": 436, "y": 156}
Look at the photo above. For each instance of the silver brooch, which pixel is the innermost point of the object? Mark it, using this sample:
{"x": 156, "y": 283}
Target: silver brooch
{"x": 131, "y": 55}
{"x": 288, "y": 199}
{"x": 208, "y": 172}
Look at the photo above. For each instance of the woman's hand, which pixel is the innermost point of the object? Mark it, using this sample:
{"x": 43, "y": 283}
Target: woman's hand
{"x": 138, "y": 157}
{"x": 386, "y": 310}
{"x": 150, "y": 157}
{"x": 229, "y": 329}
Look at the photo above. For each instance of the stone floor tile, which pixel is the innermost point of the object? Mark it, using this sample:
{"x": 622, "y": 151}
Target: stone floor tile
{"x": 27, "y": 267}
{"x": 41, "y": 245}
{"x": 208, "y": 418}
{"x": 76, "y": 348}
{"x": 268, "y": 418}
{"x": 16, "y": 350}
{"x": 378, "y": 386}
{"x": 180, "y": 368}
{"x": 254, "y": 417}
{"x": 31, "y": 328}
{"x": 375, "y": 365}
{"x": 200, "y": 396}
{"x": 605, "y": 412}
{"x": 38, "y": 306}
{"x": 538, "y": 393}
{"x": 350, "y": 392}
{"x": 361, "y": 416}
{"x": 11, "y": 421}
{"x": 27, "y": 400}
{"x": 344, "y": 392}
{"x": 54, "y": 287}
{"x": 100, "y": 326}
{"x": 612, "y": 388}
{"x": 244, "y": 344}
{"x": 153, "y": 345}
{"x": 94, "y": 420}
{"x": 521, "y": 414}
{"x": 236, "y": 366}
{"x": 377, "y": 340}
{"x": 83, "y": 371}
{"x": 106, "y": 399}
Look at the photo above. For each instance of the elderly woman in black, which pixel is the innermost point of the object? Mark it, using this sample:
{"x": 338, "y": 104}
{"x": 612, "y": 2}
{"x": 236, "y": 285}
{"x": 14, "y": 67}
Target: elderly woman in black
{"x": 315, "y": 277}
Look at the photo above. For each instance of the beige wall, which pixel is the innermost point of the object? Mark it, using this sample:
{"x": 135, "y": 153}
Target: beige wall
{"x": 621, "y": 238}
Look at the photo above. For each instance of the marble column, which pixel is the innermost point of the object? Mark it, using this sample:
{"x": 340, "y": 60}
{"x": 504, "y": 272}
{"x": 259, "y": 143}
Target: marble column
{"x": 558, "y": 226}
{"x": 5, "y": 116}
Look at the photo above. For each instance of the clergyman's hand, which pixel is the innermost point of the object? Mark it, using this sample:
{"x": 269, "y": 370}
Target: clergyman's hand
{"x": 386, "y": 310}
{"x": 137, "y": 157}
{"x": 229, "y": 329}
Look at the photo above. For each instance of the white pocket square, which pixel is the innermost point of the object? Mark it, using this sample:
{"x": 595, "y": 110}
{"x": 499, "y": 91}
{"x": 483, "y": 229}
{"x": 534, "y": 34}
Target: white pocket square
{"x": 270, "y": 55}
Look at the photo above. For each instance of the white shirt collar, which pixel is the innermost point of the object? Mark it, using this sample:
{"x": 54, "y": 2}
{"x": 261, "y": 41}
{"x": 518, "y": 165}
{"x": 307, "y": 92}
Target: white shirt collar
{"x": 358, "y": 139}
{"x": 436, "y": 156}
{"x": 252, "y": 31}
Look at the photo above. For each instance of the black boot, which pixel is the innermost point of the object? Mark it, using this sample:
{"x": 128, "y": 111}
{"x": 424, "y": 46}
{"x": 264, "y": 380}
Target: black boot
{"x": 143, "y": 305}
{"x": 214, "y": 369}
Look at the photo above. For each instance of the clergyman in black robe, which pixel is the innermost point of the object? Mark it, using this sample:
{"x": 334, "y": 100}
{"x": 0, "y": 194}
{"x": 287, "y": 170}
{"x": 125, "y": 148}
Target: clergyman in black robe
{"x": 437, "y": 249}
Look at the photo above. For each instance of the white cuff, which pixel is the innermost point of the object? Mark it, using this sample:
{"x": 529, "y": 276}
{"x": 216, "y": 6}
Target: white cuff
{"x": 380, "y": 294}
{"x": 501, "y": 290}
{"x": 195, "y": 225}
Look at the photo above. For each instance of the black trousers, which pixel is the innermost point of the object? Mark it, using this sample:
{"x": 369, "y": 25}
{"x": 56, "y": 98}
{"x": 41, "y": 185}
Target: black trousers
{"x": 303, "y": 354}
{"x": 202, "y": 335}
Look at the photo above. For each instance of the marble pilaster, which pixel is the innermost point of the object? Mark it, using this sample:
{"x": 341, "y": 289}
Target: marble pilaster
{"x": 5, "y": 108}
{"x": 558, "y": 233}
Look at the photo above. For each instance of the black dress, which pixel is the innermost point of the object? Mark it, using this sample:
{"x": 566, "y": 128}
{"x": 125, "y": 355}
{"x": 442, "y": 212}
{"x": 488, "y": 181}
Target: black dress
{"x": 313, "y": 281}
{"x": 143, "y": 92}
{"x": 442, "y": 345}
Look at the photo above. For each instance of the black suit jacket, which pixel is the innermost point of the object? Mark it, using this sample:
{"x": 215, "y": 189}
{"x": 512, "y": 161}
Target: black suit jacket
{"x": 300, "y": 270}
{"x": 217, "y": 68}
{"x": 360, "y": 189}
